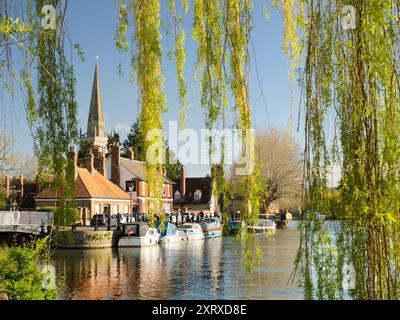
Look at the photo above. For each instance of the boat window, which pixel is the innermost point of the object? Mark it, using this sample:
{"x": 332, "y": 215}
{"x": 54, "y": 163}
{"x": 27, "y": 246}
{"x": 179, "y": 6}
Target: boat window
{"x": 197, "y": 194}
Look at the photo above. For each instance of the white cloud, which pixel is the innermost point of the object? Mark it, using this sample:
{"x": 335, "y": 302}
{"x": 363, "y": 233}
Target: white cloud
{"x": 122, "y": 130}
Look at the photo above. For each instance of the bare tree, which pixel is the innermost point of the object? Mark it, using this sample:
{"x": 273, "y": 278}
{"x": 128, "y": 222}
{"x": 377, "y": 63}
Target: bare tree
{"x": 9, "y": 159}
{"x": 30, "y": 168}
{"x": 282, "y": 169}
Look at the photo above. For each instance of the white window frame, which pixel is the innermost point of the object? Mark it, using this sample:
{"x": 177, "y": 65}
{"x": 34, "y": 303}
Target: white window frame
{"x": 197, "y": 195}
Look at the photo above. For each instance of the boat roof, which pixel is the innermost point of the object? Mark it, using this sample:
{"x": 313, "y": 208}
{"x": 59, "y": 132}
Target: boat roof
{"x": 190, "y": 225}
{"x": 210, "y": 218}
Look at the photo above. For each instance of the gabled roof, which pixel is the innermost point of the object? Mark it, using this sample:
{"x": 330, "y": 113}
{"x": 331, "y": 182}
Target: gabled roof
{"x": 192, "y": 184}
{"x": 89, "y": 185}
{"x": 138, "y": 169}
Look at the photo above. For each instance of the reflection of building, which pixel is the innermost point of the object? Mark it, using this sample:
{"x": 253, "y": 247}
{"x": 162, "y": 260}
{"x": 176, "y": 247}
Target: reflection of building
{"x": 126, "y": 172}
{"x": 194, "y": 194}
{"x": 125, "y": 273}
{"x": 215, "y": 261}
{"x": 94, "y": 193}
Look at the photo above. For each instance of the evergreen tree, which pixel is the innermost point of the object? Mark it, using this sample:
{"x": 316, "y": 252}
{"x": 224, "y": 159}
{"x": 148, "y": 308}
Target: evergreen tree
{"x": 113, "y": 137}
{"x": 135, "y": 139}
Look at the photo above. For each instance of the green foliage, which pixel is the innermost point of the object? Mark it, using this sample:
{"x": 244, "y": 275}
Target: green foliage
{"x": 173, "y": 166}
{"x": 123, "y": 24}
{"x": 180, "y": 59}
{"x": 20, "y": 272}
{"x": 10, "y": 26}
{"x": 52, "y": 119}
{"x": 79, "y": 51}
{"x": 147, "y": 73}
{"x": 111, "y": 139}
{"x": 84, "y": 146}
{"x": 66, "y": 216}
{"x": 350, "y": 75}
{"x": 135, "y": 139}
{"x": 3, "y": 201}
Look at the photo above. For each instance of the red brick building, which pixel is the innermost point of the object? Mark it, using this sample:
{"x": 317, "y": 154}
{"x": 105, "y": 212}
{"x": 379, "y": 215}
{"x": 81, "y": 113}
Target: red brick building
{"x": 126, "y": 172}
{"x": 94, "y": 193}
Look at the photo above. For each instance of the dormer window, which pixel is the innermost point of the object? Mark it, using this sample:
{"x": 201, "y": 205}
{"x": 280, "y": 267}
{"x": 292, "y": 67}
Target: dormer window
{"x": 177, "y": 195}
{"x": 197, "y": 195}
{"x": 130, "y": 186}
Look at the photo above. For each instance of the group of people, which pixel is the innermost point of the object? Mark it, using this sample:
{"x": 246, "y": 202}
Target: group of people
{"x": 176, "y": 218}
{"x": 188, "y": 217}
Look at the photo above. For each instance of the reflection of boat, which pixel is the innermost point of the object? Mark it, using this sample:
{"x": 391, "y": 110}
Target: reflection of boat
{"x": 138, "y": 235}
{"x": 193, "y": 231}
{"x": 263, "y": 226}
{"x": 211, "y": 227}
{"x": 171, "y": 234}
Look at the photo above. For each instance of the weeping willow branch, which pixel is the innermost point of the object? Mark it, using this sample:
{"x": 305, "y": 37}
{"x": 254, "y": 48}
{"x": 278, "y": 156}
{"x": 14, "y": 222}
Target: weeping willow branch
{"x": 352, "y": 74}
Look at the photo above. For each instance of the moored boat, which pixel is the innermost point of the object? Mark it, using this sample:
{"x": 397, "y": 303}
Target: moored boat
{"x": 171, "y": 234}
{"x": 138, "y": 235}
{"x": 193, "y": 231}
{"x": 211, "y": 227}
{"x": 263, "y": 226}
{"x": 235, "y": 225}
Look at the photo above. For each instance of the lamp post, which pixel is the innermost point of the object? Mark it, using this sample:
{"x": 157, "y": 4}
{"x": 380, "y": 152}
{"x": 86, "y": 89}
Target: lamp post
{"x": 109, "y": 221}
{"x": 96, "y": 228}
{"x": 131, "y": 188}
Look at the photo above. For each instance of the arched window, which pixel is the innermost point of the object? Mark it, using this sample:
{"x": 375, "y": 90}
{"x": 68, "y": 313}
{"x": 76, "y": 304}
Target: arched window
{"x": 177, "y": 195}
{"x": 197, "y": 195}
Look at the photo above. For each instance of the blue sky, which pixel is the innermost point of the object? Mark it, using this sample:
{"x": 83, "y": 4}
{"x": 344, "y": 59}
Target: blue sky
{"x": 92, "y": 23}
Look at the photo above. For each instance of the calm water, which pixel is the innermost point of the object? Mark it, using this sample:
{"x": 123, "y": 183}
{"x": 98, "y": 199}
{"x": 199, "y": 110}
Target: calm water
{"x": 207, "y": 269}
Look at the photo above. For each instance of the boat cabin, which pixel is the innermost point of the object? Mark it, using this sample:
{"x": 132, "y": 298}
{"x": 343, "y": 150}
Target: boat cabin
{"x": 135, "y": 229}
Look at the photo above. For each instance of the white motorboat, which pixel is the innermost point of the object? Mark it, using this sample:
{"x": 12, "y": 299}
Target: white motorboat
{"x": 211, "y": 227}
{"x": 138, "y": 235}
{"x": 171, "y": 234}
{"x": 193, "y": 231}
{"x": 263, "y": 226}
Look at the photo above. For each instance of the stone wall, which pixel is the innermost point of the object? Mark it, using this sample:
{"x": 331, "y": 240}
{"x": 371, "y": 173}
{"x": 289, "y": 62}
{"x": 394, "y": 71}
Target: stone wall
{"x": 86, "y": 239}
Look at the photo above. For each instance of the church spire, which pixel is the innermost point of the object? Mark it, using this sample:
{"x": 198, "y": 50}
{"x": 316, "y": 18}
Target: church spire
{"x": 95, "y": 127}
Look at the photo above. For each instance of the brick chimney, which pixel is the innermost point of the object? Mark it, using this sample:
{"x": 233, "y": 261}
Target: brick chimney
{"x": 7, "y": 186}
{"x": 183, "y": 182}
{"x": 90, "y": 161}
{"x": 99, "y": 160}
{"x": 115, "y": 162}
{"x": 131, "y": 154}
{"x": 72, "y": 157}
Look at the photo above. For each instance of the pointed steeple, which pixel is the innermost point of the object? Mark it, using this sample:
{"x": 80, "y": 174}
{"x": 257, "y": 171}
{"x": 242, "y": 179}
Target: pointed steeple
{"x": 96, "y": 117}
{"x": 95, "y": 127}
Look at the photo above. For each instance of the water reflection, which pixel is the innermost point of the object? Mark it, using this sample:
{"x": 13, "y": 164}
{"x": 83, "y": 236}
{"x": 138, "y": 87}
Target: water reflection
{"x": 207, "y": 269}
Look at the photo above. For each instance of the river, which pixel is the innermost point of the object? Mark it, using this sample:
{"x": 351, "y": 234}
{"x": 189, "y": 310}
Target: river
{"x": 208, "y": 269}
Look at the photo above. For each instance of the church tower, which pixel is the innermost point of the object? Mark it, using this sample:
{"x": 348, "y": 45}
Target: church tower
{"x": 95, "y": 134}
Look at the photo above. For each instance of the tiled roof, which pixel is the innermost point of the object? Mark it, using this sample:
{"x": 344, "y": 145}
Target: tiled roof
{"x": 192, "y": 184}
{"x": 89, "y": 185}
{"x": 138, "y": 168}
